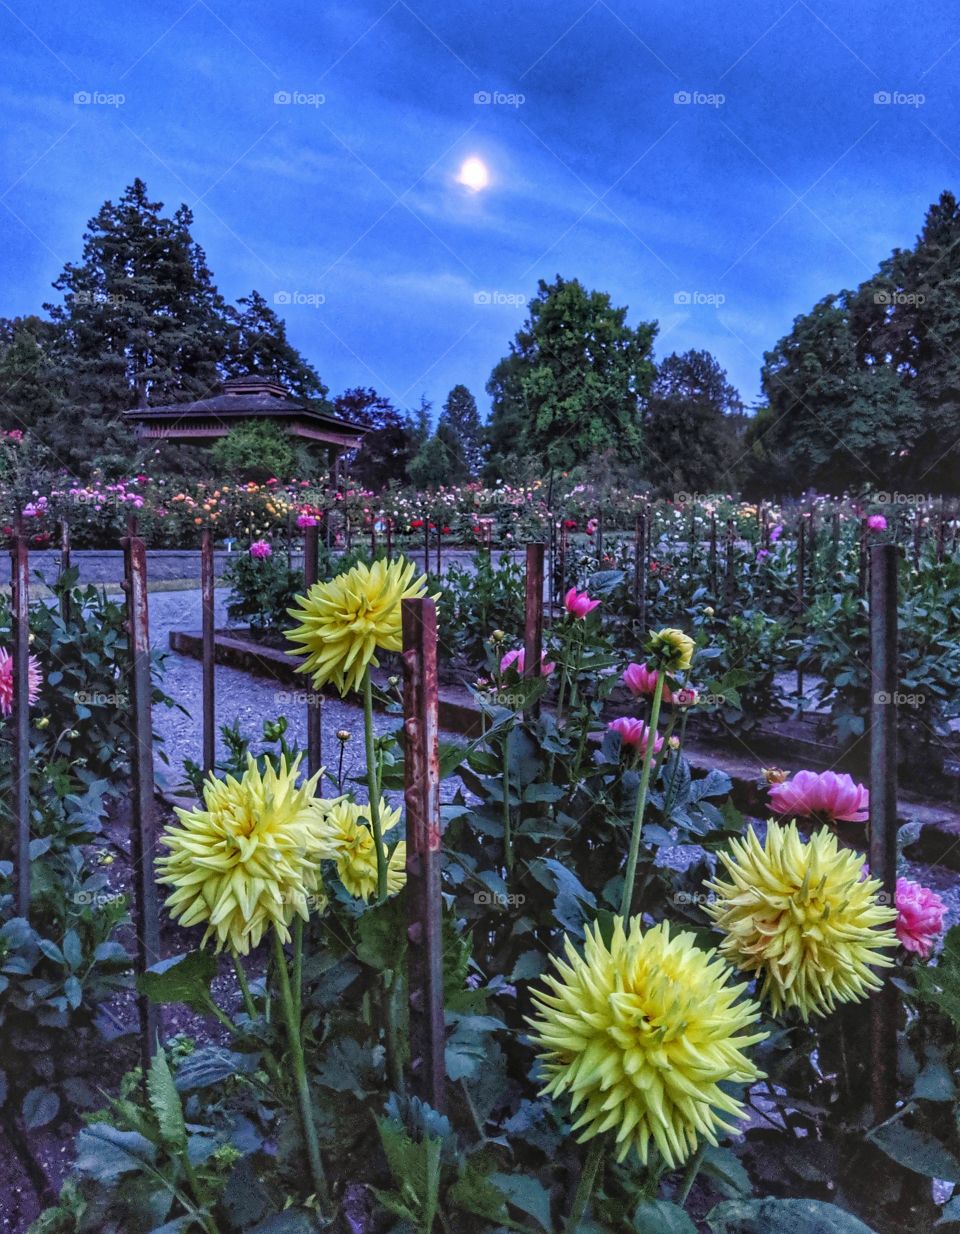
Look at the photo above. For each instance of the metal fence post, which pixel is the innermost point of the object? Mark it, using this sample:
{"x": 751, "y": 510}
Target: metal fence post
{"x": 209, "y": 651}
{"x": 314, "y": 700}
{"x": 884, "y": 681}
{"x": 801, "y": 598}
{"x": 533, "y": 620}
{"x": 141, "y": 758}
{"x": 20, "y": 613}
{"x": 423, "y": 831}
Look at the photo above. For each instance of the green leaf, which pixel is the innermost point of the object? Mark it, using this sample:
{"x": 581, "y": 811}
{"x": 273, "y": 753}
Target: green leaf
{"x": 661, "y": 1217}
{"x": 771, "y": 1216}
{"x": 40, "y": 1106}
{"x": 181, "y": 979}
{"x": 529, "y": 965}
{"x": 211, "y": 1065}
{"x": 526, "y": 1193}
{"x": 915, "y": 1149}
{"x": 725, "y": 1168}
{"x": 104, "y": 1153}
{"x": 165, "y": 1102}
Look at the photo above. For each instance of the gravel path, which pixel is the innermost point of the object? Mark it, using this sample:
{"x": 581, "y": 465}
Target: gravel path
{"x": 243, "y": 697}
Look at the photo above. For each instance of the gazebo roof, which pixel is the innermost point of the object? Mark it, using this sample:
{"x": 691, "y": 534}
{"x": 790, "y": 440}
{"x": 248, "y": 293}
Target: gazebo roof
{"x": 243, "y": 398}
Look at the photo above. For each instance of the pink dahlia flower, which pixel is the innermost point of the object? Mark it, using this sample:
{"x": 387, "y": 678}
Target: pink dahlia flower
{"x": 876, "y": 522}
{"x": 34, "y": 680}
{"x": 578, "y": 604}
{"x": 919, "y": 917}
{"x": 260, "y": 549}
{"x": 306, "y": 520}
{"x": 825, "y": 795}
{"x": 634, "y": 733}
{"x": 642, "y": 682}
{"x": 516, "y": 660}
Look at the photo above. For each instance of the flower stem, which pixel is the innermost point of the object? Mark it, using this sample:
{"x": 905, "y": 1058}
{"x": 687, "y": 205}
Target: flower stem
{"x": 373, "y": 787}
{"x": 295, "y": 1043}
{"x": 690, "y": 1177}
{"x": 585, "y": 1186}
{"x": 631, "y": 871}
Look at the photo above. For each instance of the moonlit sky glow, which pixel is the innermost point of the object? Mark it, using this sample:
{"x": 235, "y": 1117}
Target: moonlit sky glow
{"x": 474, "y": 174}
{"x": 718, "y": 168}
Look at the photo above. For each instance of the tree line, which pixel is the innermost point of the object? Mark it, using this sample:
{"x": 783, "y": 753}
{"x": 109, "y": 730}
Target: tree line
{"x": 862, "y": 391}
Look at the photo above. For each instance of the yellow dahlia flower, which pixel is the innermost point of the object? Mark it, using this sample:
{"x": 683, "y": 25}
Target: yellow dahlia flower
{"x": 344, "y": 621}
{"x": 641, "y": 1034}
{"x": 350, "y": 842}
{"x": 799, "y": 914}
{"x": 250, "y": 859}
{"x": 673, "y": 649}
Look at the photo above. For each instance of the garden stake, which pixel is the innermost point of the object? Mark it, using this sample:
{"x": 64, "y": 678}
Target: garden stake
{"x": 563, "y": 559}
{"x": 422, "y": 799}
{"x": 209, "y": 651}
{"x": 20, "y": 614}
{"x": 598, "y": 545}
{"x": 426, "y": 544}
{"x": 639, "y": 574}
{"x": 864, "y": 558}
{"x": 940, "y": 534}
{"x": 917, "y": 533}
{"x": 713, "y": 557}
{"x": 884, "y": 682}
{"x": 835, "y": 538}
{"x": 439, "y": 564}
{"x": 314, "y": 700}
{"x": 389, "y": 539}
{"x": 801, "y": 570}
{"x": 533, "y": 620}
{"x": 64, "y": 567}
{"x": 728, "y": 585}
{"x": 141, "y": 760}
{"x": 373, "y": 539}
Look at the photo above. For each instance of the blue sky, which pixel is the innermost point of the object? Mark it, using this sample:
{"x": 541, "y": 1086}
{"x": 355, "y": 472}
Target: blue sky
{"x": 775, "y": 178}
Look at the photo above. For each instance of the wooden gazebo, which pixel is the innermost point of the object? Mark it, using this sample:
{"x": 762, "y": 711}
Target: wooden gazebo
{"x": 241, "y": 399}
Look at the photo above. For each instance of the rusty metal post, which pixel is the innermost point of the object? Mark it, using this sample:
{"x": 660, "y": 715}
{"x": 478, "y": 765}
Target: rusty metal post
{"x": 426, "y": 544}
{"x": 373, "y": 538}
{"x": 389, "y": 538}
{"x": 20, "y": 613}
{"x": 801, "y": 591}
{"x": 314, "y": 700}
{"x": 209, "y": 651}
{"x": 884, "y": 682}
{"x": 728, "y": 582}
{"x": 141, "y": 760}
{"x": 439, "y": 540}
{"x": 422, "y": 799}
{"x": 864, "y": 568}
{"x": 533, "y": 619}
{"x": 64, "y": 566}
{"x": 713, "y": 557}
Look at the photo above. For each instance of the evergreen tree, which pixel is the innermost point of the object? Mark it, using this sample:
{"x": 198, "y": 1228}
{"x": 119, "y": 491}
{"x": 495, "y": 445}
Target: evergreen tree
{"x": 460, "y": 421}
{"x": 508, "y": 422}
{"x": 256, "y": 342}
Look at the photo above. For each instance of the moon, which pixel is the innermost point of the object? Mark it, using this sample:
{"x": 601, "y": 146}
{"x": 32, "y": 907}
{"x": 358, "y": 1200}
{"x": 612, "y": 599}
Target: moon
{"x": 474, "y": 174}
